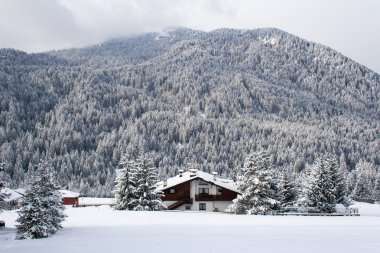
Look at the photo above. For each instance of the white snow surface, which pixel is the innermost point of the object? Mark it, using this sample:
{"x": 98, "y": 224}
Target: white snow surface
{"x": 101, "y": 229}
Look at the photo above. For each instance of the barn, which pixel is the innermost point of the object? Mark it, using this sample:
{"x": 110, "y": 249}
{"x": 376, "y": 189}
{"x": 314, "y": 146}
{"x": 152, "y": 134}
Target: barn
{"x": 69, "y": 198}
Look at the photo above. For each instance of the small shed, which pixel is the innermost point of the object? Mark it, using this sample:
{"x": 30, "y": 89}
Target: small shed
{"x": 69, "y": 197}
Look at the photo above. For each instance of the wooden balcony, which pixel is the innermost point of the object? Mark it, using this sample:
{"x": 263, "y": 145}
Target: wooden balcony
{"x": 208, "y": 197}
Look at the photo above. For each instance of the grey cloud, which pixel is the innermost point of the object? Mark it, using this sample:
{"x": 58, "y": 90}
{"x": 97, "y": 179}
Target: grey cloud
{"x": 349, "y": 26}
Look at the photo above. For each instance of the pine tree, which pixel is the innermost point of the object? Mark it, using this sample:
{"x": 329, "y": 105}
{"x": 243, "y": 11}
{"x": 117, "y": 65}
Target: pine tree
{"x": 257, "y": 187}
{"x": 365, "y": 176}
{"x": 41, "y": 213}
{"x": 145, "y": 178}
{"x": 376, "y": 188}
{"x": 338, "y": 182}
{"x": 125, "y": 186}
{"x": 2, "y": 195}
{"x": 318, "y": 192}
{"x": 287, "y": 190}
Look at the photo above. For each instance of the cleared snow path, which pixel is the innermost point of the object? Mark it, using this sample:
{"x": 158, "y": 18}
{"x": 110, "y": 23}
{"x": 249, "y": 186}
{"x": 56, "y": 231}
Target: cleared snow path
{"x": 100, "y": 229}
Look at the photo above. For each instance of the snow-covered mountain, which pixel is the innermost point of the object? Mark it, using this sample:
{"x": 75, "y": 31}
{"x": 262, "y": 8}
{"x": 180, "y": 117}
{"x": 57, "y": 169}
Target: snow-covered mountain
{"x": 189, "y": 99}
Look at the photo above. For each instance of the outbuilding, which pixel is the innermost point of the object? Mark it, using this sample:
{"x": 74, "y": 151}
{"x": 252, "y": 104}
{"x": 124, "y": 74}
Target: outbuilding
{"x": 69, "y": 197}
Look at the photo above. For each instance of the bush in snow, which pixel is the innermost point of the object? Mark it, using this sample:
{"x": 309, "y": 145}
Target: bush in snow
{"x": 41, "y": 213}
{"x": 257, "y": 185}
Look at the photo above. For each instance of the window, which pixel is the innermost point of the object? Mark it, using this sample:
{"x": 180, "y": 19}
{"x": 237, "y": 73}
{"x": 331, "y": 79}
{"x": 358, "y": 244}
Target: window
{"x": 203, "y": 191}
{"x": 187, "y": 207}
{"x": 172, "y": 191}
{"x": 202, "y": 206}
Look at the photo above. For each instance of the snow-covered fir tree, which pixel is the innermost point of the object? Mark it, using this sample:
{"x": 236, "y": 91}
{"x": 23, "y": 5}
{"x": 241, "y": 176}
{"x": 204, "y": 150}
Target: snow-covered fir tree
{"x": 125, "y": 186}
{"x": 365, "y": 175}
{"x": 2, "y": 185}
{"x": 41, "y": 212}
{"x": 376, "y": 188}
{"x": 2, "y": 199}
{"x": 286, "y": 190}
{"x": 145, "y": 176}
{"x": 257, "y": 187}
{"x": 338, "y": 182}
{"x": 320, "y": 190}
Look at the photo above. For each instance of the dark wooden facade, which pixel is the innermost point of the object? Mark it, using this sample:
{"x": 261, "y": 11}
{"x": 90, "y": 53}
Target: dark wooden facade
{"x": 70, "y": 201}
{"x": 226, "y": 195}
{"x": 182, "y": 193}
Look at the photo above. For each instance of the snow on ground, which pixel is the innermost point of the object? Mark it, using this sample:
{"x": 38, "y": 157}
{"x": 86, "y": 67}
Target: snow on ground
{"x": 101, "y": 229}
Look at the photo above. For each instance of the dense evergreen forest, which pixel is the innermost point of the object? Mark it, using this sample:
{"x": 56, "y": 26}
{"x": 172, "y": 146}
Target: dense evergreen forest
{"x": 188, "y": 99}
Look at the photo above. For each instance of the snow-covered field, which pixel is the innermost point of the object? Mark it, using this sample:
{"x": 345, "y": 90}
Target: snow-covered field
{"x": 101, "y": 229}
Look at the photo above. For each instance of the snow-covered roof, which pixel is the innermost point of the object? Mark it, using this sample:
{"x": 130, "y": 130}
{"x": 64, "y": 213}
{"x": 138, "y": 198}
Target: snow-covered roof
{"x": 195, "y": 174}
{"x": 69, "y": 194}
{"x": 20, "y": 191}
{"x": 96, "y": 201}
{"x": 11, "y": 195}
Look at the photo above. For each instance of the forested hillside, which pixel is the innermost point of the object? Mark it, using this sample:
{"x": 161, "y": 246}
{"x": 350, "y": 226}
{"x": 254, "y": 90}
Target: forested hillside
{"x": 189, "y": 99}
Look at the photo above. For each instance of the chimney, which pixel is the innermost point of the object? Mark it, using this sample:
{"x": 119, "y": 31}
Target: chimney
{"x": 180, "y": 173}
{"x": 193, "y": 172}
{"x": 165, "y": 182}
{"x": 214, "y": 174}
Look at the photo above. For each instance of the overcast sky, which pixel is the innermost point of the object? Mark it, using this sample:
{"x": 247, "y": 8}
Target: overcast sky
{"x": 350, "y": 26}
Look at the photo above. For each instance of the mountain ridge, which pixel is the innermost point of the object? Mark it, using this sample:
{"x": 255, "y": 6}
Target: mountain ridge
{"x": 187, "y": 97}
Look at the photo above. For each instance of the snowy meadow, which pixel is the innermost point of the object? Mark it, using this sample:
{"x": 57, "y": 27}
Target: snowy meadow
{"x": 101, "y": 229}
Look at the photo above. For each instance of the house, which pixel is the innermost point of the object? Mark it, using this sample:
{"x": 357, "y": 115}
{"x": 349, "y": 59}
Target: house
{"x": 69, "y": 197}
{"x": 198, "y": 191}
{"x": 12, "y": 198}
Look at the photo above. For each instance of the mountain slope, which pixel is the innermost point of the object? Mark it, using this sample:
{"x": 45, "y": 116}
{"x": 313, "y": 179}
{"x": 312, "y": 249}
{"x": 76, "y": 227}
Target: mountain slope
{"x": 190, "y": 99}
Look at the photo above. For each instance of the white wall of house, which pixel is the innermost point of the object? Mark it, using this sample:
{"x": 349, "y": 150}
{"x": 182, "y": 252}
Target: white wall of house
{"x": 221, "y": 205}
{"x": 193, "y": 188}
{"x": 168, "y": 203}
{"x": 209, "y": 206}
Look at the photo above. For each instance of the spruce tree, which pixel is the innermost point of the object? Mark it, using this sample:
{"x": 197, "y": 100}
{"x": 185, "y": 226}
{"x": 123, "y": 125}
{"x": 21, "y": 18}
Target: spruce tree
{"x": 337, "y": 181}
{"x": 318, "y": 193}
{"x": 257, "y": 187}
{"x": 287, "y": 191}
{"x": 145, "y": 177}
{"x": 376, "y": 188}
{"x": 2, "y": 185}
{"x": 125, "y": 186}
{"x": 41, "y": 213}
{"x": 365, "y": 177}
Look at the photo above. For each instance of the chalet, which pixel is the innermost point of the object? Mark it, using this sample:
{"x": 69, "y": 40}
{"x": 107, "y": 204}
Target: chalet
{"x": 12, "y": 198}
{"x": 69, "y": 197}
{"x": 198, "y": 191}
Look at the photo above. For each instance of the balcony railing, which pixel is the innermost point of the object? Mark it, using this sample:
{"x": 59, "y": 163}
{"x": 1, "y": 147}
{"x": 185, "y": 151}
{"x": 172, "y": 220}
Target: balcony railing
{"x": 208, "y": 197}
